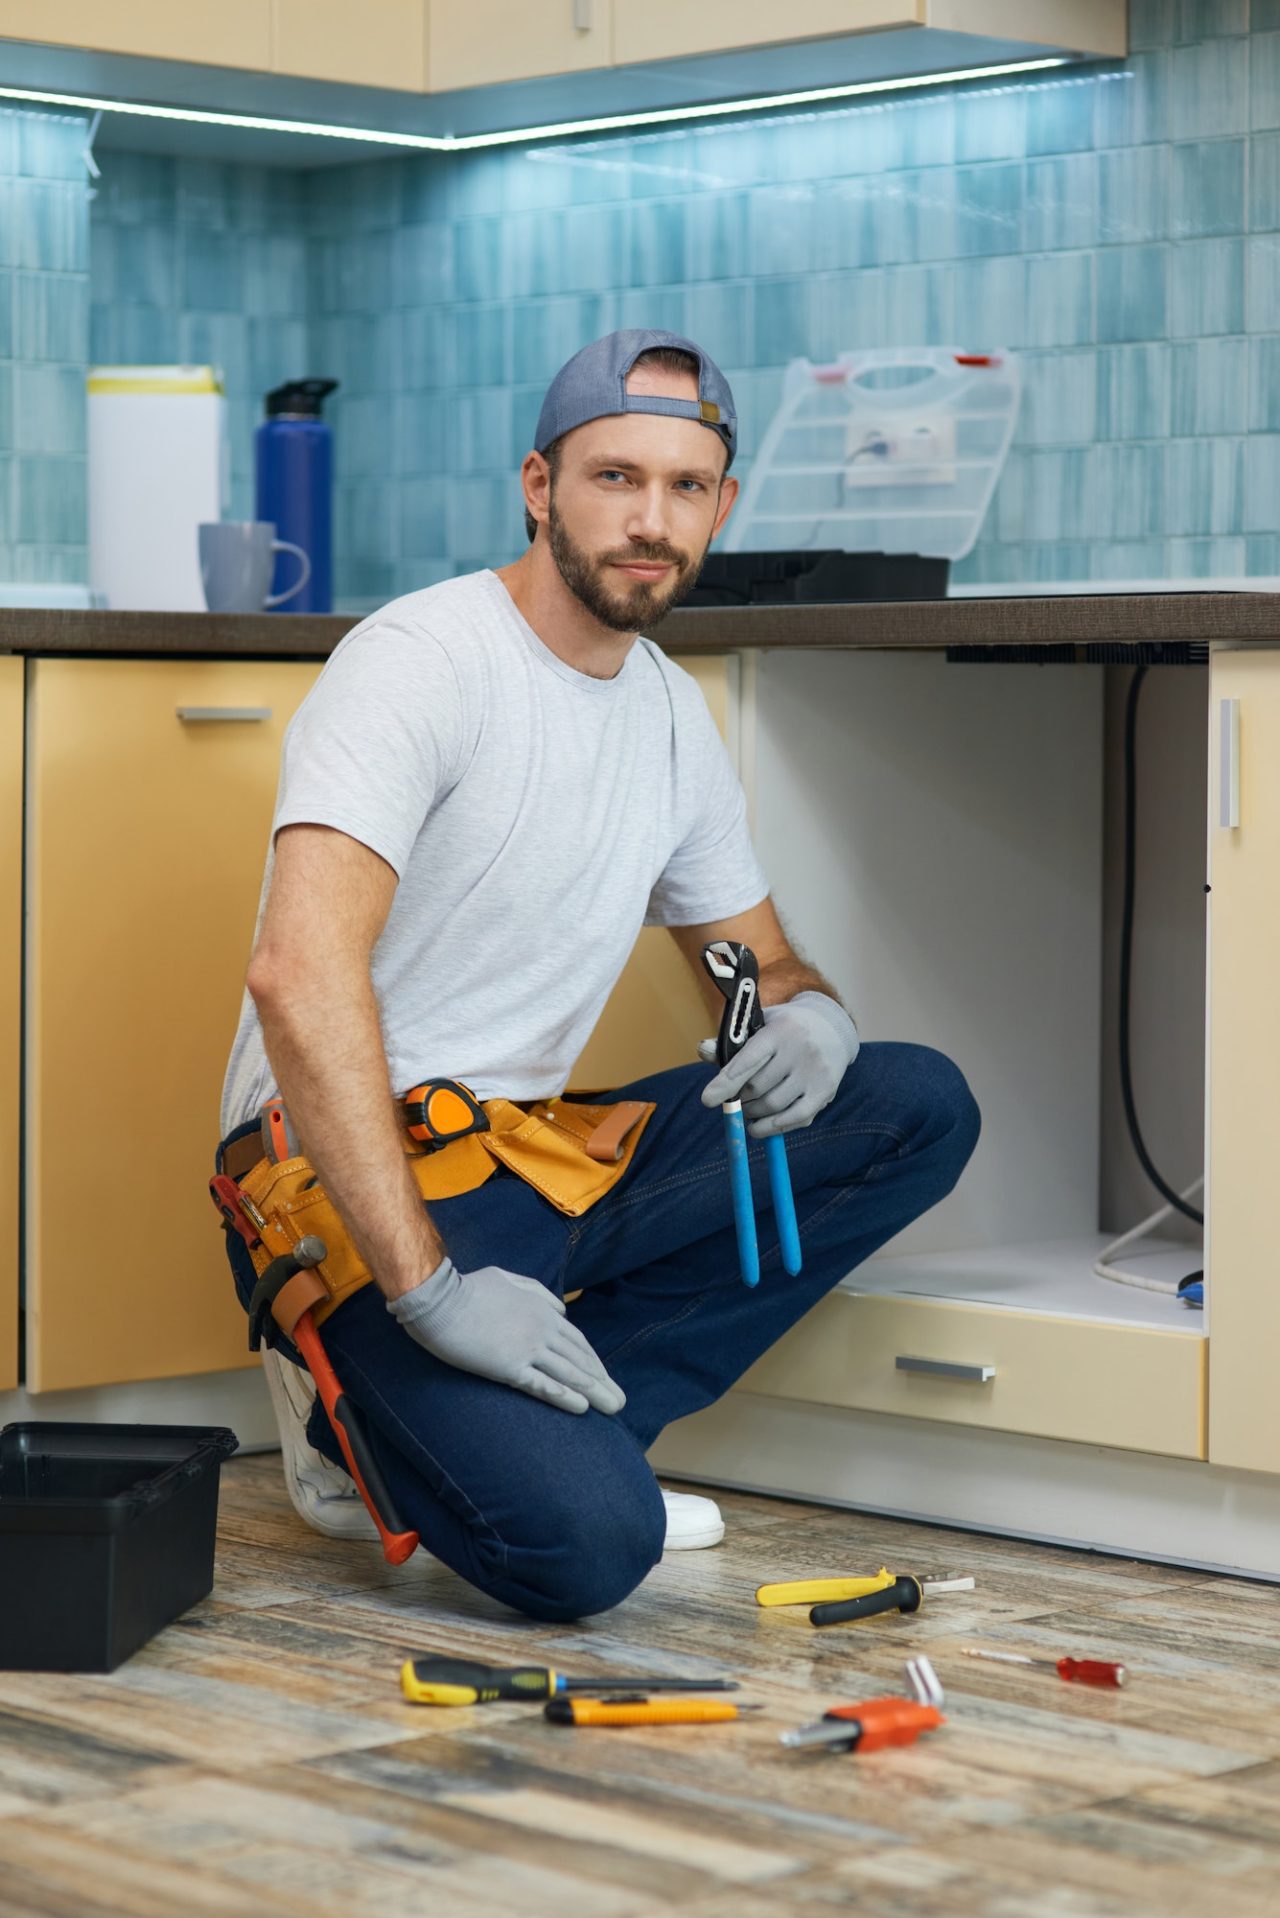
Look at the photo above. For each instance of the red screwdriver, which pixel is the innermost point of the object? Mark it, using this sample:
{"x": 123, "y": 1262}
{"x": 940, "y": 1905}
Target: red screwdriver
{"x": 1083, "y": 1671}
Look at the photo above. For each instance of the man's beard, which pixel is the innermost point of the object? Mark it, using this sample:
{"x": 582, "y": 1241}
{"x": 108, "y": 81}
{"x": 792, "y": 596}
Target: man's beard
{"x": 634, "y": 604}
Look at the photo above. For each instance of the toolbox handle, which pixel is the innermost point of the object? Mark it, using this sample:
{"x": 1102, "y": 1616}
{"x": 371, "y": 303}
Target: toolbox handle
{"x": 946, "y": 1369}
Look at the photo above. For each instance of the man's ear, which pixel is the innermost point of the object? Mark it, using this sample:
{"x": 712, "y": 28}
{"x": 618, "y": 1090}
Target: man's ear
{"x": 728, "y": 494}
{"x": 535, "y": 480}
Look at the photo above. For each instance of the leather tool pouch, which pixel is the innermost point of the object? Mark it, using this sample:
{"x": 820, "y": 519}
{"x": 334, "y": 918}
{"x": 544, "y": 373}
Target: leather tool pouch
{"x": 569, "y": 1151}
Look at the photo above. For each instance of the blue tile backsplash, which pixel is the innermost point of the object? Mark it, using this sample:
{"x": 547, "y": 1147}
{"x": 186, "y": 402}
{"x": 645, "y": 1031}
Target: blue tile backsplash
{"x": 44, "y": 346}
{"x": 1119, "y": 228}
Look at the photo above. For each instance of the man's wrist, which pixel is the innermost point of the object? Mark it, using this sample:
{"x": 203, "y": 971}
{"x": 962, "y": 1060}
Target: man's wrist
{"x": 841, "y": 1022}
{"x": 395, "y": 1285}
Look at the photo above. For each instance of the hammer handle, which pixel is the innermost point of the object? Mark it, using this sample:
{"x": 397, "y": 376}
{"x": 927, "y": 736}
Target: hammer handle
{"x": 398, "y": 1543}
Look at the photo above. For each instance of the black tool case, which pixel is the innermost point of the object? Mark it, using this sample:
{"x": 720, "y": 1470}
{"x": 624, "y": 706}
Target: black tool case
{"x": 106, "y": 1535}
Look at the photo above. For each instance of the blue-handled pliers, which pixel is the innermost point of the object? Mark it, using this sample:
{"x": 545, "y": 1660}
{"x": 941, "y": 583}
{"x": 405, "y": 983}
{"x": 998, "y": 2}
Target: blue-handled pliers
{"x": 734, "y": 969}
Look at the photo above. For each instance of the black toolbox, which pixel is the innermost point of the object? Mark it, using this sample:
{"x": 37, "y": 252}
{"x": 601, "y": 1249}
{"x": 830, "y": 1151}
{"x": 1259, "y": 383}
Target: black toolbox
{"x": 106, "y": 1535}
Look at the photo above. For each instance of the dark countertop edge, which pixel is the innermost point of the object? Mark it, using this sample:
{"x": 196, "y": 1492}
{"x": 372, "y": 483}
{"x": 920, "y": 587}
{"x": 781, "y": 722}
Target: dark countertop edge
{"x": 1070, "y": 619}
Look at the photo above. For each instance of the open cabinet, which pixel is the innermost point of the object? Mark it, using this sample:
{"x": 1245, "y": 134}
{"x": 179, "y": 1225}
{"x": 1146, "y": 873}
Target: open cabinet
{"x": 935, "y": 832}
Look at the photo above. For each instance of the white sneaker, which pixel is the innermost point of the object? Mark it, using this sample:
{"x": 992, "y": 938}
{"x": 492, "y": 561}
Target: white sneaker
{"x": 692, "y": 1522}
{"x": 320, "y": 1493}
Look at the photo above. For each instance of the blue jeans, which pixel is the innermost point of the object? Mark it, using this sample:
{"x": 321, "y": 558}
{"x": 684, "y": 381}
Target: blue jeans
{"x": 559, "y": 1515}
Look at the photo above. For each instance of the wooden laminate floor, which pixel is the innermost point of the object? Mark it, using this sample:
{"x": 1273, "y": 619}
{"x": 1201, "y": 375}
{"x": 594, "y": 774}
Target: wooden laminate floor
{"x": 257, "y": 1759}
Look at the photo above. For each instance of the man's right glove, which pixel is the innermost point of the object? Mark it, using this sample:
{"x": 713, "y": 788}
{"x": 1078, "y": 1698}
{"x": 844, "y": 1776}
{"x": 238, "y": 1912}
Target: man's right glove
{"x": 509, "y": 1328}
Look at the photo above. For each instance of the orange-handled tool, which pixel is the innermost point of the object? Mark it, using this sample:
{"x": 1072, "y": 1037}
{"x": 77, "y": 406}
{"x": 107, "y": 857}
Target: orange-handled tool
{"x": 1082, "y": 1671}
{"x": 868, "y": 1726}
{"x": 642, "y": 1711}
{"x": 288, "y": 1289}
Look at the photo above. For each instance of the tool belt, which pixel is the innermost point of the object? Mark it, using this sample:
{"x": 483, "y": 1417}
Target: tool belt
{"x": 568, "y": 1150}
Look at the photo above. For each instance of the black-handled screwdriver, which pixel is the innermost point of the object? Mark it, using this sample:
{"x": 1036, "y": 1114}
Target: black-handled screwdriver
{"x": 465, "y": 1681}
{"x": 906, "y": 1594}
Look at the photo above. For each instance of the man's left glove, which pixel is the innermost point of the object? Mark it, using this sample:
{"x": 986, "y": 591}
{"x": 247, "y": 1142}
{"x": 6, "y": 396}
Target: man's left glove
{"x": 789, "y": 1070}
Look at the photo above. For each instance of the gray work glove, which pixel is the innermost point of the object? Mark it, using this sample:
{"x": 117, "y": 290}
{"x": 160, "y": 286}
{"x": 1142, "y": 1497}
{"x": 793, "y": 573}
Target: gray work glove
{"x": 509, "y": 1328}
{"x": 789, "y": 1070}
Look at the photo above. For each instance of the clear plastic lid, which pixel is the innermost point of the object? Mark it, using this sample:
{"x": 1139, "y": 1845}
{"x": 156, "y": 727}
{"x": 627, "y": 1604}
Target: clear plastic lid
{"x": 893, "y": 450}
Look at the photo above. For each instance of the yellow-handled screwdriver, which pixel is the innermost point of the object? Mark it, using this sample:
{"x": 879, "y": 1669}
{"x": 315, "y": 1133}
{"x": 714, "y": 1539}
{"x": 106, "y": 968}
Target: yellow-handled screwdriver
{"x": 465, "y": 1681}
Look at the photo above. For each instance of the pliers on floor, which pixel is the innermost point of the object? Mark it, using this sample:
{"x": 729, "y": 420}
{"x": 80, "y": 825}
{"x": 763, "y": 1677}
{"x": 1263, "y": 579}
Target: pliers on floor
{"x": 735, "y": 971}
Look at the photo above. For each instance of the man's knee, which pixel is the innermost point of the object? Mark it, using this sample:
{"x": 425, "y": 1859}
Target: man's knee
{"x": 596, "y": 1550}
{"x": 926, "y": 1094}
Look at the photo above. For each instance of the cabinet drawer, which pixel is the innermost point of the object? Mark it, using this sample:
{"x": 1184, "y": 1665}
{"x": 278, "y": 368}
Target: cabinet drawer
{"x": 1054, "y": 1377}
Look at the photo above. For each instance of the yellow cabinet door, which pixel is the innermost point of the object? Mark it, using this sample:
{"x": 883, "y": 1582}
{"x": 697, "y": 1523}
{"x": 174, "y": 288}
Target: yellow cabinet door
{"x": 232, "y": 33}
{"x": 655, "y": 1015}
{"x": 665, "y": 29}
{"x": 10, "y": 1006}
{"x": 1241, "y": 1246}
{"x": 488, "y": 41}
{"x": 380, "y": 44}
{"x": 146, "y": 835}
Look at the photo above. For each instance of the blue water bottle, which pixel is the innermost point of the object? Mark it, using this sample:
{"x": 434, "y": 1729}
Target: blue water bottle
{"x": 294, "y": 458}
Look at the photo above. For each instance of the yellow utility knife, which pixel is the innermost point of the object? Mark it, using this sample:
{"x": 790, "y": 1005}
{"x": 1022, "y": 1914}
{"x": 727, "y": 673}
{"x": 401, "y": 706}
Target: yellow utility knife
{"x": 822, "y": 1591}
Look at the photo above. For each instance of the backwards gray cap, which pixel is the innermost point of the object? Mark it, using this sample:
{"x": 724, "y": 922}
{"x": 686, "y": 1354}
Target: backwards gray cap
{"x": 593, "y": 384}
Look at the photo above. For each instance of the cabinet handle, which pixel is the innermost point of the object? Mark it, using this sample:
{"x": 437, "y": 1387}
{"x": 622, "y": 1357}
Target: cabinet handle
{"x": 1228, "y": 763}
{"x": 582, "y": 15}
{"x": 946, "y": 1369}
{"x": 201, "y": 715}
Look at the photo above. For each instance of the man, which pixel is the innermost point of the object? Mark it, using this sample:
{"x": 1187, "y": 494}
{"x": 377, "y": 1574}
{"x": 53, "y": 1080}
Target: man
{"x": 492, "y": 785}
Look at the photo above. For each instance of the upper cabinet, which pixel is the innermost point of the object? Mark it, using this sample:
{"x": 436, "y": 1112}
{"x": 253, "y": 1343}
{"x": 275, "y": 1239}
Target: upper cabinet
{"x": 379, "y": 44}
{"x": 443, "y": 46}
{"x": 665, "y": 29}
{"x": 218, "y": 33}
{"x": 382, "y": 43}
{"x": 489, "y": 41}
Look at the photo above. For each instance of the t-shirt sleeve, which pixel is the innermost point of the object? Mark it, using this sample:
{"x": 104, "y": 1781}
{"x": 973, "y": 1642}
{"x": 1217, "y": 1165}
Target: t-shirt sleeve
{"x": 713, "y": 872}
{"x": 376, "y": 743}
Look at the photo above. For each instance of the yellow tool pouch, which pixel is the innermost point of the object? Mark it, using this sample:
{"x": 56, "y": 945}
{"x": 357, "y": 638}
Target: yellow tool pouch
{"x": 569, "y": 1151}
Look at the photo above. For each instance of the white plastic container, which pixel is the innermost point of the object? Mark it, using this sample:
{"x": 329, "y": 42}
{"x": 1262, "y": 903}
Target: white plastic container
{"x": 158, "y": 466}
{"x": 893, "y": 450}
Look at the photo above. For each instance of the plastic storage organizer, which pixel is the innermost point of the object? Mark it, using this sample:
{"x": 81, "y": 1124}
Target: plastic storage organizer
{"x": 891, "y": 451}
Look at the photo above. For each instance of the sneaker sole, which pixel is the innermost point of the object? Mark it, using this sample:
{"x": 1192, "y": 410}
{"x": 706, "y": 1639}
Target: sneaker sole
{"x": 696, "y": 1541}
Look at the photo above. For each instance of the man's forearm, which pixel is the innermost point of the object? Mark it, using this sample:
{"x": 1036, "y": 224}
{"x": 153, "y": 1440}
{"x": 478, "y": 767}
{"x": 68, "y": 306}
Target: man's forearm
{"x": 324, "y": 1042}
{"x": 782, "y": 979}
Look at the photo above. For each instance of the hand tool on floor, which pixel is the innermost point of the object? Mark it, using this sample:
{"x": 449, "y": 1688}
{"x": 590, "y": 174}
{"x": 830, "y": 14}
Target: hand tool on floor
{"x": 924, "y": 1684}
{"x": 466, "y": 1681}
{"x": 642, "y": 1711}
{"x": 905, "y": 1594}
{"x": 816, "y": 1591}
{"x": 735, "y": 971}
{"x": 288, "y": 1290}
{"x": 867, "y": 1726}
{"x": 1081, "y": 1671}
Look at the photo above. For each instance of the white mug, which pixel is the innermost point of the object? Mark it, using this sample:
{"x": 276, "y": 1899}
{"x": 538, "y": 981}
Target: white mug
{"x": 237, "y": 559}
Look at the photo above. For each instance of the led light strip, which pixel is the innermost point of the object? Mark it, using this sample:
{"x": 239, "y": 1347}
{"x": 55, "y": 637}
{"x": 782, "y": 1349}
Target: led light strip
{"x": 456, "y": 143}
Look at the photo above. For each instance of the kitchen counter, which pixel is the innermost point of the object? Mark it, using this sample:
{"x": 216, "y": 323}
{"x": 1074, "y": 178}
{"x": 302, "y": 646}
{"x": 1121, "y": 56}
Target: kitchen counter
{"x": 1120, "y": 619}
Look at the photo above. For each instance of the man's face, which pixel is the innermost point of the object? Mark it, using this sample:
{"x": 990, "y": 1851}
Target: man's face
{"x": 634, "y": 504}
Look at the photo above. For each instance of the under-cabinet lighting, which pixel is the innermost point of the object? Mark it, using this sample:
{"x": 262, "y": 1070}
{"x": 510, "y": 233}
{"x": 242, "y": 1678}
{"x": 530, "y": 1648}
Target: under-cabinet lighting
{"x": 460, "y": 142}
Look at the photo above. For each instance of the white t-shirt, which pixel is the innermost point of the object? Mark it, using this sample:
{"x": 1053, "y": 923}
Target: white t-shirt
{"x": 535, "y": 817}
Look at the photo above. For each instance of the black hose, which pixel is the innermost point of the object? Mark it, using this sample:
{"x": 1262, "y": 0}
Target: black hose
{"x": 1126, "y": 949}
